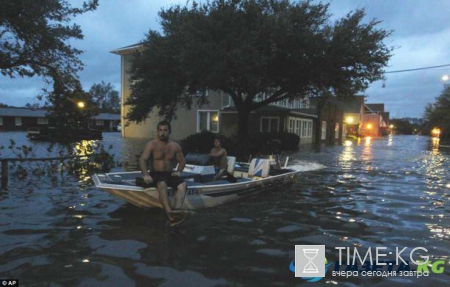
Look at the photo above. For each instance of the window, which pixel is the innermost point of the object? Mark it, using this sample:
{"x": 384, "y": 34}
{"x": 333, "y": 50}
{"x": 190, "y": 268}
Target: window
{"x": 297, "y": 127}
{"x": 269, "y": 124}
{"x": 291, "y": 125}
{"x": 310, "y": 128}
{"x": 1, "y": 121}
{"x": 99, "y": 122}
{"x": 208, "y": 121}
{"x": 42, "y": 121}
{"x": 300, "y": 127}
{"x": 336, "y": 131}
{"x": 18, "y": 121}
{"x": 324, "y": 130}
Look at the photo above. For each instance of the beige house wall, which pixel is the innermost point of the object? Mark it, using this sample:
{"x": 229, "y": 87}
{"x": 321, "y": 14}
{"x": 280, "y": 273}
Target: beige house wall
{"x": 183, "y": 125}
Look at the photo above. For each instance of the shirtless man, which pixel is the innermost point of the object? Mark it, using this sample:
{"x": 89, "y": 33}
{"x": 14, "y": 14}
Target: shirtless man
{"x": 218, "y": 156}
{"x": 163, "y": 154}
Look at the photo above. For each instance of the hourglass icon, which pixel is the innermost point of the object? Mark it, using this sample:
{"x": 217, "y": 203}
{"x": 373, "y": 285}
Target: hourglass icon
{"x": 310, "y": 267}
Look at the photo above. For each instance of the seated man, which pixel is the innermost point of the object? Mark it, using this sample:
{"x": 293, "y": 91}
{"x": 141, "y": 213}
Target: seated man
{"x": 218, "y": 157}
{"x": 163, "y": 154}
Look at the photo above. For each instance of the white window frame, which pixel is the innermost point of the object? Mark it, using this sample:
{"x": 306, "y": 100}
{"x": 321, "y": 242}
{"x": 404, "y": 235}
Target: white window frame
{"x": 42, "y": 121}
{"x": 17, "y": 121}
{"x": 300, "y": 127}
{"x": 208, "y": 120}
{"x": 336, "y": 131}
{"x": 270, "y": 125}
{"x": 323, "y": 135}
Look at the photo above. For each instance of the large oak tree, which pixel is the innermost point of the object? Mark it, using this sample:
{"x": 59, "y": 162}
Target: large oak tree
{"x": 245, "y": 48}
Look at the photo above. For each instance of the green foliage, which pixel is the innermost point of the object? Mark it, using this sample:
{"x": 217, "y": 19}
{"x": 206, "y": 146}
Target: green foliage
{"x": 438, "y": 113}
{"x": 200, "y": 142}
{"x": 257, "y": 144}
{"x": 404, "y": 127}
{"x": 78, "y": 159}
{"x": 281, "y": 48}
{"x": 63, "y": 112}
{"x": 106, "y": 97}
{"x": 34, "y": 37}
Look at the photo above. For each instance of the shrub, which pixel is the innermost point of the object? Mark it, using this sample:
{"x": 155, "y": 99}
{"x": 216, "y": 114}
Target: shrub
{"x": 200, "y": 142}
{"x": 256, "y": 144}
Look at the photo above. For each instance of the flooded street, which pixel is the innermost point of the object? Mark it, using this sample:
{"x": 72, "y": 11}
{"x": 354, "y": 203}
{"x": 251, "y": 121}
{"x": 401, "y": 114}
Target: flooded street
{"x": 390, "y": 192}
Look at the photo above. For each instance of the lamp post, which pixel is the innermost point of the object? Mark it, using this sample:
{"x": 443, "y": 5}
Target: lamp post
{"x": 81, "y": 105}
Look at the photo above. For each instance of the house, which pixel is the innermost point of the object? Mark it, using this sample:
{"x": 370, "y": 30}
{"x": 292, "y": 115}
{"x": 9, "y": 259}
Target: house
{"x": 353, "y": 109}
{"x": 376, "y": 120}
{"x": 219, "y": 115}
{"x": 330, "y": 127}
{"x": 19, "y": 119}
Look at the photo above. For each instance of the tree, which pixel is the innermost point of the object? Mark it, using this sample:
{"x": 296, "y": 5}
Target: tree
{"x": 438, "y": 113}
{"x": 34, "y": 35}
{"x": 33, "y": 106}
{"x": 403, "y": 126}
{"x": 106, "y": 97}
{"x": 65, "y": 115}
{"x": 250, "y": 47}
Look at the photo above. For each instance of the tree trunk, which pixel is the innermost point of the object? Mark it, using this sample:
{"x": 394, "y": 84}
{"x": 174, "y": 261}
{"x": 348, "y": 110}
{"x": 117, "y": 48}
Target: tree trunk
{"x": 243, "y": 118}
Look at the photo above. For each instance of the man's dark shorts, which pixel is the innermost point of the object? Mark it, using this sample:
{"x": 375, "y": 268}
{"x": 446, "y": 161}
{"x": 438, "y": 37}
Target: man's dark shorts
{"x": 166, "y": 176}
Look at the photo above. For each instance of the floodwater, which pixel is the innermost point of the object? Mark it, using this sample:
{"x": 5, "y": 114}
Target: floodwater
{"x": 389, "y": 192}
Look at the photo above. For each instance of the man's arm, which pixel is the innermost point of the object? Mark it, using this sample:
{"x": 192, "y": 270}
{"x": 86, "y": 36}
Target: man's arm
{"x": 180, "y": 159}
{"x": 144, "y": 157}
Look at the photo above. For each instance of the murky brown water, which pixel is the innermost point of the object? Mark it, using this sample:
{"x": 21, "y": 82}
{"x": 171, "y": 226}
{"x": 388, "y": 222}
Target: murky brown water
{"x": 391, "y": 192}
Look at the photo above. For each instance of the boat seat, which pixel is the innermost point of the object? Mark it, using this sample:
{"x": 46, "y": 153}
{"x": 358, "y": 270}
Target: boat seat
{"x": 259, "y": 167}
{"x": 231, "y": 161}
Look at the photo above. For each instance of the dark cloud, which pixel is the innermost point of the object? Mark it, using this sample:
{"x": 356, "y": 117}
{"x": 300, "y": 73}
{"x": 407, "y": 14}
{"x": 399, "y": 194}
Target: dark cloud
{"x": 421, "y": 37}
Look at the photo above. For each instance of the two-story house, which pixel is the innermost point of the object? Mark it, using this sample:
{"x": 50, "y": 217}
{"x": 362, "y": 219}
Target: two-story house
{"x": 219, "y": 115}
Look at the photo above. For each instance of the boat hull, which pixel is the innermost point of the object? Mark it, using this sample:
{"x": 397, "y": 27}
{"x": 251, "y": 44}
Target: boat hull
{"x": 198, "y": 196}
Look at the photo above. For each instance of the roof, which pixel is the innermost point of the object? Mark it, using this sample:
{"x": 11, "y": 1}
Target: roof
{"x": 40, "y": 113}
{"x": 127, "y": 49}
{"x": 311, "y": 113}
{"x": 107, "y": 117}
{"x": 22, "y": 112}
{"x": 375, "y": 107}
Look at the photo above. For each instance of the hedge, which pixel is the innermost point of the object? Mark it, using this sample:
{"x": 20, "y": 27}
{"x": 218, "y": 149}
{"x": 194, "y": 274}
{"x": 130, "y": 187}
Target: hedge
{"x": 260, "y": 143}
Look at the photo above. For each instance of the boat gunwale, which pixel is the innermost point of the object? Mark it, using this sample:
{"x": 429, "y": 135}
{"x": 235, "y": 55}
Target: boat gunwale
{"x": 252, "y": 181}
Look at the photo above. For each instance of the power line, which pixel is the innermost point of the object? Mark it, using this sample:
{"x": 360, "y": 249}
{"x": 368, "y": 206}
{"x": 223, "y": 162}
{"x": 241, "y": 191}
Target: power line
{"x": 417, "y": 69}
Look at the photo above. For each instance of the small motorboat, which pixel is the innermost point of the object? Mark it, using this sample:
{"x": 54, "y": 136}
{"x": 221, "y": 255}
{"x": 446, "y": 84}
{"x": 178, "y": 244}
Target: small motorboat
{"x": 244, "y": 179}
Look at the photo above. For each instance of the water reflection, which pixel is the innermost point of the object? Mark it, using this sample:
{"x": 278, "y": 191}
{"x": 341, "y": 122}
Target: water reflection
{"x": 393, "y": 192}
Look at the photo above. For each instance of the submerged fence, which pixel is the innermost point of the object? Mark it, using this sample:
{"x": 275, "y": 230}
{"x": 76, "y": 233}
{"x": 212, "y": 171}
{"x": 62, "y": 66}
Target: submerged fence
{"x": 6, "y": 161}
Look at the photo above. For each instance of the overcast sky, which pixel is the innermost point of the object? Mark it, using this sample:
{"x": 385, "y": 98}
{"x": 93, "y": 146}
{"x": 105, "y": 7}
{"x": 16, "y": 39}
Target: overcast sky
{"x": 421, "y": 37}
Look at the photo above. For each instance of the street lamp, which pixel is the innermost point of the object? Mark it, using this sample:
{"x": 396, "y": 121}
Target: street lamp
{"x": 349, "y": 120}
{"x": 436, "y": 132}
{"x": 81, "y": 105}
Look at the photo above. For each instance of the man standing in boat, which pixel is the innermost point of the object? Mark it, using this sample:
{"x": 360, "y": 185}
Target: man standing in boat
{"x": 163, "y": 154}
